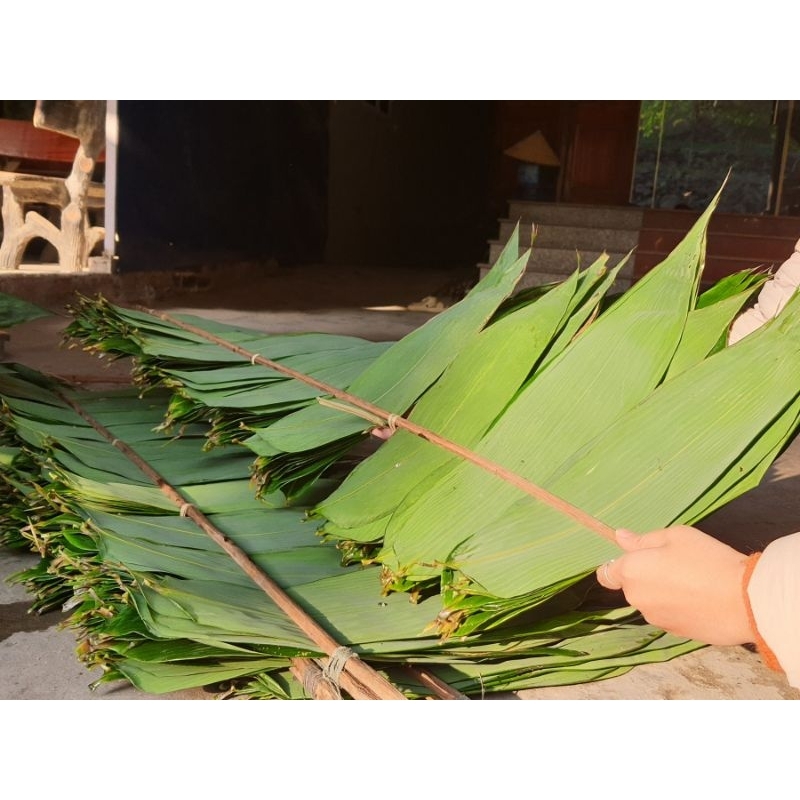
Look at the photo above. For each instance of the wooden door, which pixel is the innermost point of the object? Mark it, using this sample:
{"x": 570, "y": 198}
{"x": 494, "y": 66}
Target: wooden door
{"x": 601, "y": 151}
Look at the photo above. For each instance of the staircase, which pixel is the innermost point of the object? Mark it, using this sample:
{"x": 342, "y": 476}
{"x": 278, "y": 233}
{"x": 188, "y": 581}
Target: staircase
{"x": 568, "y": 236}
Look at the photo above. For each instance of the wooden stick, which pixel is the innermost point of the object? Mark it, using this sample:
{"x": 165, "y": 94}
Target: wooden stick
{"x": 397, "y": 421}
{"x": 431, "y": 681}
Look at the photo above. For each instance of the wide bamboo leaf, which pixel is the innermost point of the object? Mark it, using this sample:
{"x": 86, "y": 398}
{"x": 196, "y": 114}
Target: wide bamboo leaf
{"x": 251, "y": 528}
{"x": 162, "y": 678}
{"x": 706, "y": 330}
{"x": 295, "y": 566}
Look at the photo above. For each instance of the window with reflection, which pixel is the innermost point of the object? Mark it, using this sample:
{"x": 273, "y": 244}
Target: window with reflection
{"x": 686, "y": 148}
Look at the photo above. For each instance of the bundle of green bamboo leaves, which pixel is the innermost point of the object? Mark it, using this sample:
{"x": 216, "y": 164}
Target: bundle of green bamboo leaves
{"x": 634, "y": 411}
{"x": 209, "y": 382}
{"x": 157, "y": 602}
{"x": 643, "y": 420}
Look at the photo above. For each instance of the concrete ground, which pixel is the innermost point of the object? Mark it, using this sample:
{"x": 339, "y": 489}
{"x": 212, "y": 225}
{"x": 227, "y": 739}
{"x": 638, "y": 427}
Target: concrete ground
{"x": 37, "y": 658}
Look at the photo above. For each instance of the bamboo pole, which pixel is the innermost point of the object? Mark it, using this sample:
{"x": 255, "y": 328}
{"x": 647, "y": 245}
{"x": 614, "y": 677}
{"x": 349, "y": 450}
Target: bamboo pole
{"x": 378, "y": 415}
{"x": 431, "y": 681}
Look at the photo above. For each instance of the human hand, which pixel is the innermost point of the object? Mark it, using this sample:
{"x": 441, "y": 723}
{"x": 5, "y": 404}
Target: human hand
{"x": 683, "y": 581}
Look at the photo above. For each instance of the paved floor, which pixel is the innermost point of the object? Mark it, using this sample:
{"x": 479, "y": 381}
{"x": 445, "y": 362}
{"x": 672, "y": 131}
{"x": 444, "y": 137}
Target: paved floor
{"x": 37, "y": 659}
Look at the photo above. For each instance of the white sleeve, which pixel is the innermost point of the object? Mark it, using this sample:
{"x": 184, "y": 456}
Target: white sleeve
{"x": 771, "y": 299}
{"x": 774, "y": 594}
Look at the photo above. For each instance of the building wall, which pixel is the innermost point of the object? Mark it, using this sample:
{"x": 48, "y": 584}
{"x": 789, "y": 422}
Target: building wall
{"x": 514, "y": 120}
{"x": 408, "y": 182}
{"x": 205, "y": 182}
{"x": 595, "y": 141}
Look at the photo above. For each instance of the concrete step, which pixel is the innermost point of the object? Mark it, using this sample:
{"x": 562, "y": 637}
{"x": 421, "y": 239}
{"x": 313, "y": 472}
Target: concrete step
{"x": 575, "y": 215}
{"x": 560, "y": 260}
{"x": 619, "y": 240}
{"x": 569, "y": 236}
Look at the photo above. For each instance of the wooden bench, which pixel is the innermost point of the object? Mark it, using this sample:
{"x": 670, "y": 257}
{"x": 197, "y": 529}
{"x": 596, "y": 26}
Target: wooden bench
{"x": 70, "y": 133}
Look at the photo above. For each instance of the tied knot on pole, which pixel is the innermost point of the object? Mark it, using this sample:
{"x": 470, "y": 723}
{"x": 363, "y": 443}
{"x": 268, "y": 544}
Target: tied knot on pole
{"x": 332, "y": 671}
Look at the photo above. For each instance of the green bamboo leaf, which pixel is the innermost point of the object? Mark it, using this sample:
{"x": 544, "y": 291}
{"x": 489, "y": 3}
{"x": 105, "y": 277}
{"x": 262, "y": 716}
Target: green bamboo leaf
{"x": 175, "y": 677}
{"x": 746, "y": 280}
{"x": 706, "y": 330}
